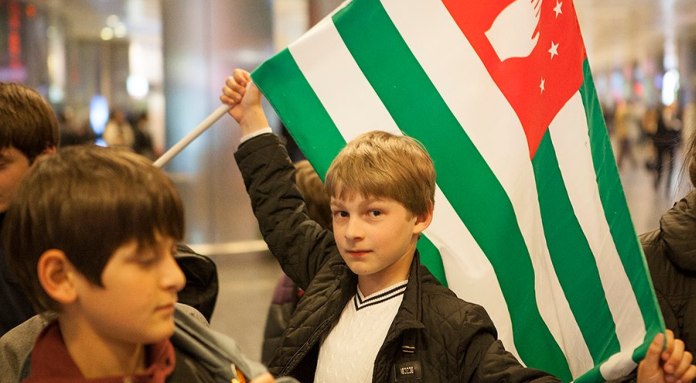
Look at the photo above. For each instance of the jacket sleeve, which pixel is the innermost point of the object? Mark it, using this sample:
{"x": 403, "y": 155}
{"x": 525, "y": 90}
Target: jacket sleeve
{"x": 300, "y": 244}
{"x": 498, "y": 365}
{"x": 16, "y": 346}
{"x": 483, "y": 359}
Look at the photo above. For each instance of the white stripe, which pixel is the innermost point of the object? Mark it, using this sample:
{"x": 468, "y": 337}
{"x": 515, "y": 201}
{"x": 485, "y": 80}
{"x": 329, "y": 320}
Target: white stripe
{"x": 463, "y": 82}
{"x": 617, "y": 366}
{"x": 569, "y": 133}
{"x": 355, "y": 108}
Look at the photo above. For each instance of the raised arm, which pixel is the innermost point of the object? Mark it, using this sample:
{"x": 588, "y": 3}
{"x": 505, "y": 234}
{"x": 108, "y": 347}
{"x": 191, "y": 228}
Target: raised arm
{"x": 300, "y": 244}
{"x": 244, "y": 100}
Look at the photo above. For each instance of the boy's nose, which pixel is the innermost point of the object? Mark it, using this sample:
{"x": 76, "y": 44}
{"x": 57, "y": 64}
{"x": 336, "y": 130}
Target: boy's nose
{"x": 353, "y": 229}
{"x": 172, "y": 276}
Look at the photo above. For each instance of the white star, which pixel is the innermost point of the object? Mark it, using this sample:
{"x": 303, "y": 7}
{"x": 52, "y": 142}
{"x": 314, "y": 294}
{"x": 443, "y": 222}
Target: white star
{"x": 554, "y": 49}
{"x": 557, "y": 8}
{"x": 542, "y": 85}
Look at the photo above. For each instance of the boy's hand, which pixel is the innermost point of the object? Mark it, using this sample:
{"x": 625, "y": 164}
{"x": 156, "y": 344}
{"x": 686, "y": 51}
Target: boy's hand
{"x": 244, "y": 100}
{"x": 673, "y": 365}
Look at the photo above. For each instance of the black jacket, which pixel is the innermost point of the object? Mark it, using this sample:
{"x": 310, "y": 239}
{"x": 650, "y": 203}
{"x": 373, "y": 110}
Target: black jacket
{"x": 435, "y": 335}
{"x": 15, "y": 307}
{"x": 671, "y": 255}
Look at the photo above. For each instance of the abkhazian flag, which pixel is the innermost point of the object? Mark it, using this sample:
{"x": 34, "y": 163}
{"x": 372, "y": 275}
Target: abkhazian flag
{"x": 530, "y": 217}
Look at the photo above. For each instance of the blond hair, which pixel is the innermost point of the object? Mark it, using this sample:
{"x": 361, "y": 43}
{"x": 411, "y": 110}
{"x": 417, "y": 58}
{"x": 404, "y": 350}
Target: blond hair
{"x": 381, "y": 164}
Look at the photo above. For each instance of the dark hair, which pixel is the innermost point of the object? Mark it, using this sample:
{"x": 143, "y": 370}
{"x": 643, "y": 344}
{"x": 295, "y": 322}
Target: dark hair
{"x": 28, "y": 122}
{"x": 87, "y": 201}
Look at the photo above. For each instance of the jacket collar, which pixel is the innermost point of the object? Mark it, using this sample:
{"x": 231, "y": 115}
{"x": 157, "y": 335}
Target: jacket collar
{"x": 410, "y": 312}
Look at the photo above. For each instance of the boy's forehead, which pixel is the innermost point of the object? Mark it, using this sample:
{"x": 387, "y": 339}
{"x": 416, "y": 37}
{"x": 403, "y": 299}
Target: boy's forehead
{"x": 351, "y": 196}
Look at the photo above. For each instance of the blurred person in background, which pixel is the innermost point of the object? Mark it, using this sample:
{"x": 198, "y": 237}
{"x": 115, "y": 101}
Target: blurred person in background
{"x": 670, "y": 252}
{"x": 666, "y": 140}
{"x": 626, "y": 133}
{"x": 118, "y": 131}
{"x": 142, "y": 143}
{"x": 29, "y": 128}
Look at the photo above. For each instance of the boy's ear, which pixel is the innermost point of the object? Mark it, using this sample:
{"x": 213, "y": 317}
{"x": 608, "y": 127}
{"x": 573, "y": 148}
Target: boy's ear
{"x": 56, "y": 275}
{"x": 423, "y": 221}
{"x": 50, "y": 150}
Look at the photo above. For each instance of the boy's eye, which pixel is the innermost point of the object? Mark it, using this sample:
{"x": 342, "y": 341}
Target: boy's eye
{"x": 340, "y": 214}
{"x": 148, "y": 257}
{"x": 147, "y": 260}
{"x": 375, "y": 213}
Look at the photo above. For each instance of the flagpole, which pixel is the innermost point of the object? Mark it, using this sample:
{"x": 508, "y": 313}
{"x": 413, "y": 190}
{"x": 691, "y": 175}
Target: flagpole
{"x": 192, "y": 135}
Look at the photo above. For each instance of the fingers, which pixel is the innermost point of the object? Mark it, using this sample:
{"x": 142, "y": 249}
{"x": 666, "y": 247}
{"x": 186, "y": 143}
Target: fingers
{"x": 235, "y": 87}
{"x": 649, "y": 369}
{"x": 242, "y": 76}
{"x": 669, "y": 345}
{"x": 652, "y": 357}
{"x": 689, "y": 374}
{"x": 675, "y": 357}
{"x": 684, "y": 365}
{"x": 677, "y": 361}
{"x": 232, "y": 92}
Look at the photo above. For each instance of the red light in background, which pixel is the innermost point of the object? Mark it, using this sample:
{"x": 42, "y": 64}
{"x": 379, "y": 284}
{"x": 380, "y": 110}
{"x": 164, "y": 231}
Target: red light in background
{"x": 14, "y": 40}
{"x": 30, "y": 11}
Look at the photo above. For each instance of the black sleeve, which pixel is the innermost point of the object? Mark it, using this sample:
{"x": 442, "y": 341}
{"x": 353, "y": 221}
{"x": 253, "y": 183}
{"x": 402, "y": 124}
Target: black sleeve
{"x": 300, "y": 244}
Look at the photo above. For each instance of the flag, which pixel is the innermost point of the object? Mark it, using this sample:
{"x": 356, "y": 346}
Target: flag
{"x": 530, "y": 217}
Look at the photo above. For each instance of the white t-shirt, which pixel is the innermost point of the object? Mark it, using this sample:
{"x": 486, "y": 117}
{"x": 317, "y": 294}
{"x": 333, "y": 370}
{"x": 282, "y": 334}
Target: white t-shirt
{"x": 348, "y": 352}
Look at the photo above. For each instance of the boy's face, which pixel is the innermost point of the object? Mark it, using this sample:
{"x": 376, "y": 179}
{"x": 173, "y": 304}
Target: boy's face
{"x": 13, "y": 165}
{"x": 376, "y": 237}
{"x": 136, "y": 303}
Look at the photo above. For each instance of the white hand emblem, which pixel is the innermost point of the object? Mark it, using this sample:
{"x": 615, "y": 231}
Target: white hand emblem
{"x": 512, "y": 33}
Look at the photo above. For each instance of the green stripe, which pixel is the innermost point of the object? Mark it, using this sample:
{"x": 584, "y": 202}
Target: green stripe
{"x": 431, "y": 258}
{"x": 617, "y": 213}
{"x": 283, "y": 84}
{"x": 473, "y": 190}
{"x": 298, "y": 106}
{"x": 570, "y": 252}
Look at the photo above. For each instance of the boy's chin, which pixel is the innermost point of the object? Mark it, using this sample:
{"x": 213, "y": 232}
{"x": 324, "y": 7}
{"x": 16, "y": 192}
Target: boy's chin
{"x": 159, "y": 334}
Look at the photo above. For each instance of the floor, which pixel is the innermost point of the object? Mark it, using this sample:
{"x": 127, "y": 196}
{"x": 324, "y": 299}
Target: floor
{"x": 247, "y": 280}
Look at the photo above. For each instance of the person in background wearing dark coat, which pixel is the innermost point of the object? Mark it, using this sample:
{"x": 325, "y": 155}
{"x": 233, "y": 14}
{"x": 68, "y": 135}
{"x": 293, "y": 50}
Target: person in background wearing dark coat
{"x": 670, "y": 252}
{"x": 666, "y": 140}
{"x": 28, "y": 129}
{"x": 371, "y": 312}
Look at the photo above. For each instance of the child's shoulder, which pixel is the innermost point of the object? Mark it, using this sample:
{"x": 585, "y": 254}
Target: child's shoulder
{"x": 441, "y": 305}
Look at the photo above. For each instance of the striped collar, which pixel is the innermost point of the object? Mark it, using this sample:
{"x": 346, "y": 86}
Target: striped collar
{"x": 390, "y": 292}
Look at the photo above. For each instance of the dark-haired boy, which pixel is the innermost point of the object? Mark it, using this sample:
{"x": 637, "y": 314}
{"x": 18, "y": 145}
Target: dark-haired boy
{"x": 97, "y": 252}
{"x": 29, "y": 128}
